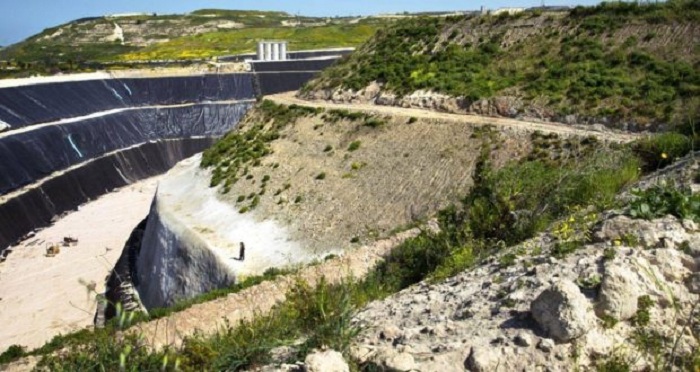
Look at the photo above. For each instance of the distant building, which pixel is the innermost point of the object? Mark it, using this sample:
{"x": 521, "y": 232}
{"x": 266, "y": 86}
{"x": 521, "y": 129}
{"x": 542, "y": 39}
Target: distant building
{"x": 510, "y": 11}
{"x": 272, "y": 50}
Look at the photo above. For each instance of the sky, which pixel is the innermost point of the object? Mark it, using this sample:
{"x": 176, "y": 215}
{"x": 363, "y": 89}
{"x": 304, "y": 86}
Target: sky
{"x": 22, "y": 18}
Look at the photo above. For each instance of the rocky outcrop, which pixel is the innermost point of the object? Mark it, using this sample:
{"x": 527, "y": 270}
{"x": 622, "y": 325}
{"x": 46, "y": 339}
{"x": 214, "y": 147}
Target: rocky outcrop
{"x": 507, "y": 106}
{"x": 547, "y": 313}
{"x": 619, "y": 292}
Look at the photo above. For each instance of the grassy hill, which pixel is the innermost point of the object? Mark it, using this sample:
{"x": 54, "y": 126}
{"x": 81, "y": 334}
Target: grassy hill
{"x": 89, "y": 42}
{"x": 621, "y": 61}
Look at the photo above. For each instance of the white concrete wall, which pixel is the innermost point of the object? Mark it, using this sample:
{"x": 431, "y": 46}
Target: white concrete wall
{"x": 272, "y": 51}
{"x": 268, "y": 52}
{"x": 276, "y": 51}
{"x": 283, "y": 51}
{"x": 261, "y": 51}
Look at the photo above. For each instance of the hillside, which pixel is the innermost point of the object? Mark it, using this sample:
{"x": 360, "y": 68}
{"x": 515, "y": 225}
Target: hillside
{"x": 621, "y": 64}
{"x": 122, "y": 39}
{"x": 454, "y": 206}
{"x": 535, "y": 222}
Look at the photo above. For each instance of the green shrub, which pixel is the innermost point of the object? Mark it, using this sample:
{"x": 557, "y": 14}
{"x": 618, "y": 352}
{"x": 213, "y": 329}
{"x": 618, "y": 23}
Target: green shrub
{"x": 357, "y": 165}
{"x": 642, "y": 317}
{"x": 609, "y": 254}
{"x": 662, "y": 200}
{"x": 12, "y": 353}
{"x": 521, "y": 198}
{"x": 254, "y": 203}
{"x": 373, "y": 122}
{"x": 354, "y": 145}
{"x": 320, "y": 315}
{"x": 328, "y": 148}
{"x": 105, "y": 352}
{"x": 321, "y": 176}
{"x": 562, "y": 249}
{"x": 660, "y": 150}
{"x": 240, "y": 149}
{"x": 585, "y": 72}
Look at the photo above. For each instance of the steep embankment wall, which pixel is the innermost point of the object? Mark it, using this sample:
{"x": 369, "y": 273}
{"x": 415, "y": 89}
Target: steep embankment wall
{"x": 72, "y": 141}
{"x": 38, "y": 205}
{"x": 67, "y": 142}
{"x": 31, "y": 155}
{"x": 191, "y": 242}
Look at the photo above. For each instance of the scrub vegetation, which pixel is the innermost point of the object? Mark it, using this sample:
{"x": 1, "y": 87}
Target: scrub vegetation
{"x": 233, "y": 155}
{"x": 591, "y": 62}
{"x": 245, "y": 41}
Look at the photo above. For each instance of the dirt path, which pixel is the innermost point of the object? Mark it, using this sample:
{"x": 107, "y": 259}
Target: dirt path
{"x": 289, "y": 98}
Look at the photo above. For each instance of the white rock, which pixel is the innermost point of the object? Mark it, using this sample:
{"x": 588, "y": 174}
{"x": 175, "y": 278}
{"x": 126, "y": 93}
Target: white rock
{"x": 618, "y": 292}
{"x": 563, "y": 311}
{"x": 598, "y": 344}
{"x": 326, "y": 361}
{"x": 390, "y": 332}
{"x": 670, "y": 262}
{"x": 481, "y": 359}
{"x": 400, "y": 362}
{"x": 546, "y": 345}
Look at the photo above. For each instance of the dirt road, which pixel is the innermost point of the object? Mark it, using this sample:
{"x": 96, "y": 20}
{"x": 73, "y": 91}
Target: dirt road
{"x": 289, "y": 98}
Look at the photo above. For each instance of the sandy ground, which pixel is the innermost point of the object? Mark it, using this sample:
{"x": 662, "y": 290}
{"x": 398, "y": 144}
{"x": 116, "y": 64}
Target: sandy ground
{"x": 41, "y": 297}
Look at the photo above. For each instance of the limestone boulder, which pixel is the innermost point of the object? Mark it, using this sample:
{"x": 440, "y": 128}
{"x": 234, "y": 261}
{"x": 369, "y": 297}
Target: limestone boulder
{"x": 326, "y": 361}
{"x": 482, "y": 359}
{"x": 563, "y": 312}
{"x": 618, "y": 292}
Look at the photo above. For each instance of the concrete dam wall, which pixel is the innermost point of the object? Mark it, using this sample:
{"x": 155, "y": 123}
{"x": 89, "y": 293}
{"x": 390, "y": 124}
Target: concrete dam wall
{"x": 65, "y": 143}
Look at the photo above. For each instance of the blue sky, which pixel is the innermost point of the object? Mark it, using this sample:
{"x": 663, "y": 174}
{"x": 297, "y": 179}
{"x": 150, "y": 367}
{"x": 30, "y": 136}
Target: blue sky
{"x": 22, "y": 18}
